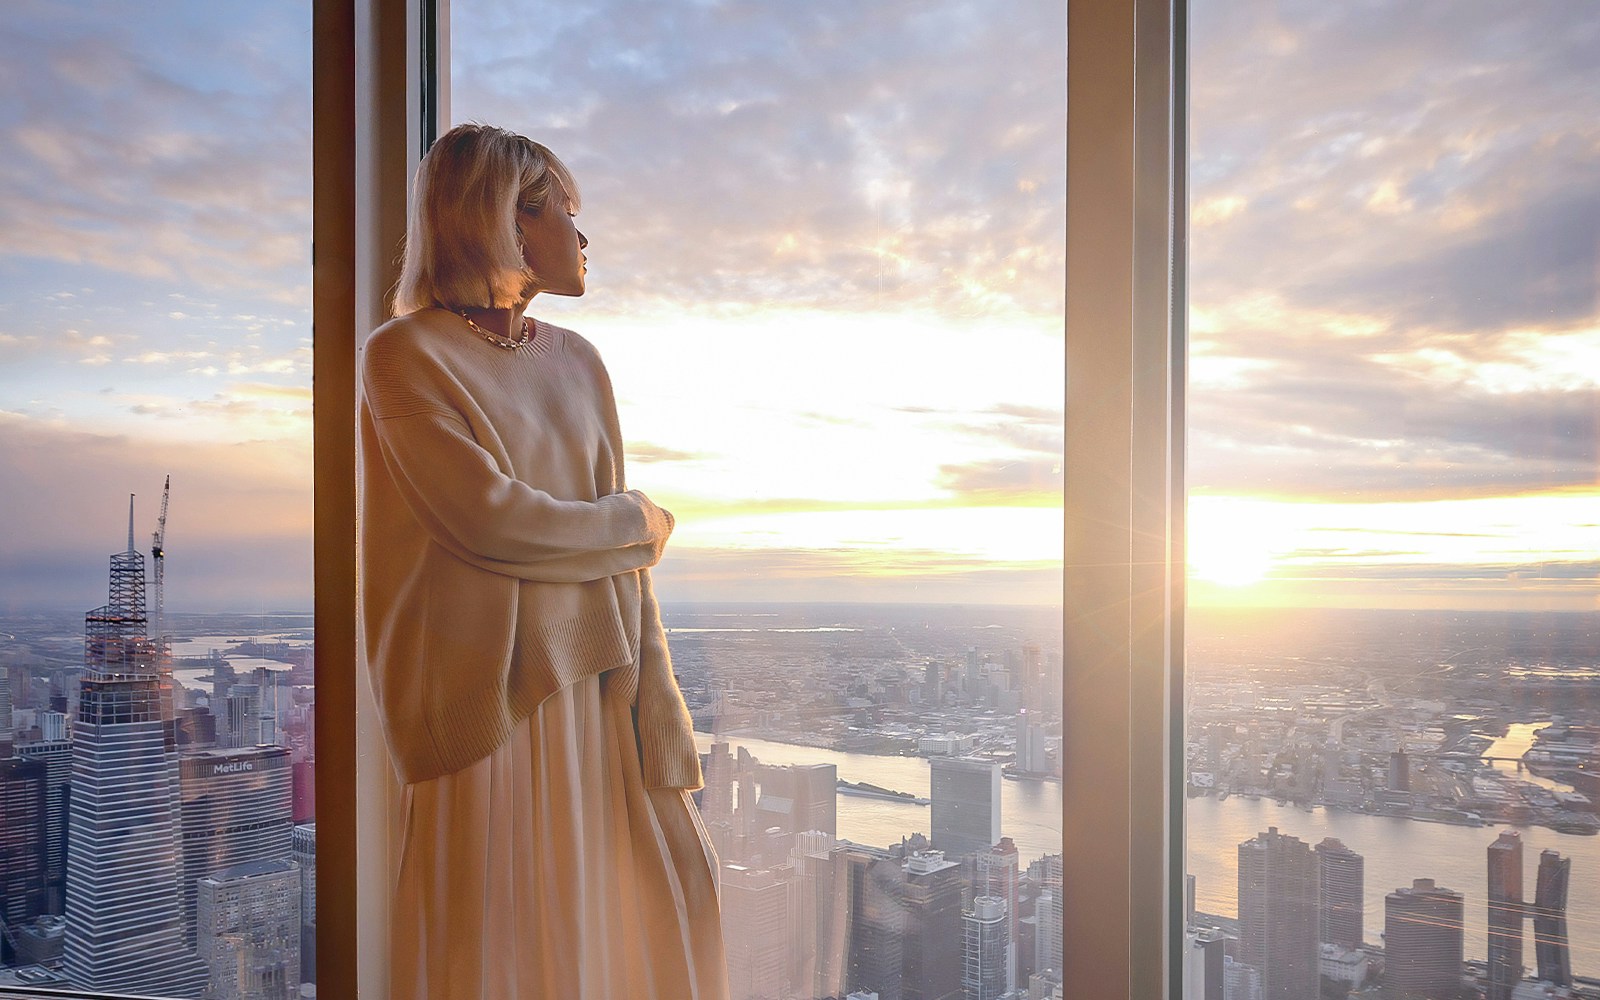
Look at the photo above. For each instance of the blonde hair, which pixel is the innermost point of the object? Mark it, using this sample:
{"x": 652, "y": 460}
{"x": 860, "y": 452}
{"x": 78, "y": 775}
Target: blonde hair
{"x": 461, "y": 244}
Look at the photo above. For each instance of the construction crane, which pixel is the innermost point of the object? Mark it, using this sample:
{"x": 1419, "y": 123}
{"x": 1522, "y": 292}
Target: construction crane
{"x": 158, "y": 553}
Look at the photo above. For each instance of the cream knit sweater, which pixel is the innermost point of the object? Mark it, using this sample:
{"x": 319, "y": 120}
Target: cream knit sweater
{"x": 501, "y": 555}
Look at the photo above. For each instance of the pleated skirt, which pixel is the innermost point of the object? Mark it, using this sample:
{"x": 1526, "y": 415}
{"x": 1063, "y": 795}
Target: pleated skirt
{"x": 547, "y": 871}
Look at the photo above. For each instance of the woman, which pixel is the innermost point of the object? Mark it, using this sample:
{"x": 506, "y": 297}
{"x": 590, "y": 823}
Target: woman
{"x": 515, "y": 647}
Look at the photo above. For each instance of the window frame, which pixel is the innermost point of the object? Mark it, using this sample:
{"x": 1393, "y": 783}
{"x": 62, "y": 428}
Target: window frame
{"x": 380, "y": 88}
{"x": 1122, "y": 798}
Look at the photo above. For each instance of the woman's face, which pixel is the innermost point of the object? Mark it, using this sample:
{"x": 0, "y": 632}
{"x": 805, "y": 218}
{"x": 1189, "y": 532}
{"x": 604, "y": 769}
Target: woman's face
{"x": 553, "y": 247}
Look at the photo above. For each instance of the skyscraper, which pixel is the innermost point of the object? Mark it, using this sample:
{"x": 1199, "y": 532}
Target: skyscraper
{"x": 799, "y": 797}
{"x": 1240, "y": 981}
{"x": 56, "y": 758}
{"x": 995, "y": 873}
{"x": 716, "y": 799}
{"x": 966, "y": 804}
{"x": 125, "y": 929}
{"x": 1047, "y": 945}
{"x": 931, "y": 966}
{"x": 7, "y": 732}
{"x": 1035, "y": 684}
{"x": 244, "y": 715}
{"x": 874, "y": 937}
{"x": 1203, "y": 972}
{"x": 818, "y": 914}
{"x": 983, "y": 973}
{"x": 22, "y": 840}
{"x": 1049, "y": 915}
{"x": 1505, "y": 915}
{"x": 1340, "y": 873}
{"x": 1550, "y": 919}
{"x": 755, "y": 930}
{"x": 249, "y": 931}
{"x": 1279, "y": 909}
{"x": 933, "y": 683}
{"x": 237, "y": 807}
{"x": 1423, "y": 942}
{"x": 305, "y": 855}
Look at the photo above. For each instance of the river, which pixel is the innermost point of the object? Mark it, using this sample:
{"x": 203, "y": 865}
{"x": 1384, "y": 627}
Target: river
{"x": 1396, "y": 850}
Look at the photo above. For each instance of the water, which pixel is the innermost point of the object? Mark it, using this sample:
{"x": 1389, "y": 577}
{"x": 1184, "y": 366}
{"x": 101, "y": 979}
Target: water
{"x": 1518, "y": 738}
{"x": 1030, "y": 811}
{"x": 1396, "y": 850}
{"x": 197, "y": 678}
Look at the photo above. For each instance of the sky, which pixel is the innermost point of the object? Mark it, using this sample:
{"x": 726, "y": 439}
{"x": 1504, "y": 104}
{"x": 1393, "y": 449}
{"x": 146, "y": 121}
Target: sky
{"x": 826, "y": 248}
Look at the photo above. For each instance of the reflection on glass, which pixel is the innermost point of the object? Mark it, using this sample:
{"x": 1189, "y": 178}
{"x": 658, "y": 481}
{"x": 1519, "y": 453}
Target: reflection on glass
{"x": 1394, "y": 657}
{"x": 825, "y": 261}
{"x": 157, "y": 834}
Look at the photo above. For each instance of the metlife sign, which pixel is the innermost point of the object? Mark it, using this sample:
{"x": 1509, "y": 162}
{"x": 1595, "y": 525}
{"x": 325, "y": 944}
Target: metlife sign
{"x": 220, "y": 764}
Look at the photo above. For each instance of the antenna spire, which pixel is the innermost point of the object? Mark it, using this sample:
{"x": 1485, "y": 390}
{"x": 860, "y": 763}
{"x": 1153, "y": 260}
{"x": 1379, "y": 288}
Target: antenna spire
{"x": 130, "y": 523}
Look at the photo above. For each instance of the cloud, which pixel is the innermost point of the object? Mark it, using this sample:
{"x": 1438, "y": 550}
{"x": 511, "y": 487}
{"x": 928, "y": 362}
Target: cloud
{"x": 1017, "y": 481}
{"x": 1326, "y": 425}
{"x": 1394, "y": 266}
{"x": 645, "y": 452}
{"x": 176, "y": 157}
{"x": 796, "y": 575}
{"x": 802, "y": 157}
{"x": 239, "y": 533}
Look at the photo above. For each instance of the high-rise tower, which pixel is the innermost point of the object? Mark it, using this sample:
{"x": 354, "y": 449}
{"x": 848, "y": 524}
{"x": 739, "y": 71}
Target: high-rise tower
{"x": 818, "y": 904}
{"x": 249, "y": 930}
{"x": 1340, "y": 872}
{"x": 996, "y": 873}
{"x": 23, "y": 843}
{"x": 983, "y": 972}
{"x": 874, "y": 935}
{"x": 1505, "y": 915}
{"x": 1550, "y": 919}
{"x": 55, "y": 755}
{"x": 1049, "y": 912}
{"x": 237, "y": 808}
{"x": 1423, "y": 942}
{"x": 1279, "y": 908}
{"x": 966, "y": 804}
{"x": 931, "y": 966}
{"x": 799, "y": 797}
{"x": 8, "y": 733}
{"x": 305, "y": 855}
{"x": 755, "y": 927}
{"x": 124, "y": 870}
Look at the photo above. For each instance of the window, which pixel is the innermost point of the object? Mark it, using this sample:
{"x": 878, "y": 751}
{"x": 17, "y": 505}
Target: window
{"x": 155, "y": 340}
{"x": 1393, "y": 710}
{"x": 363, "y": 162}
{"x": 826, "y": 282}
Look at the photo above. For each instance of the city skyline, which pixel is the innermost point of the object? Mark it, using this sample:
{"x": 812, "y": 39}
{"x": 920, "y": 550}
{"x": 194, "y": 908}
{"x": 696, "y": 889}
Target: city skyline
{"x": 1393, "y": 345}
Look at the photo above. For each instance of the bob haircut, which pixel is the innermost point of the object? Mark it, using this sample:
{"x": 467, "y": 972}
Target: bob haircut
{"x": 461, "y": 246}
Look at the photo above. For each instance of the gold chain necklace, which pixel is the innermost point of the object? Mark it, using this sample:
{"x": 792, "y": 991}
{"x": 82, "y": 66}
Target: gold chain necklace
{"x": 504, "y": 343}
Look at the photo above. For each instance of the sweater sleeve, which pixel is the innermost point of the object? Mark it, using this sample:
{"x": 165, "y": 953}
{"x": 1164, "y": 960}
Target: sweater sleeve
{"x": 455, "y": 489}
{"x": 668, "y": 752}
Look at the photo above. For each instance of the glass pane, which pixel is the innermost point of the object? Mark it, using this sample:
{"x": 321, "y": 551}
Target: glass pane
{"x": 156, "y": 752}
{"x": 825, "y": 259}
{"x": 1394, "y": 653}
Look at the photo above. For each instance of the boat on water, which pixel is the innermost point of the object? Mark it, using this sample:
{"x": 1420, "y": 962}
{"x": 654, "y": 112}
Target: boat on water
{"x": 871, "y": 791}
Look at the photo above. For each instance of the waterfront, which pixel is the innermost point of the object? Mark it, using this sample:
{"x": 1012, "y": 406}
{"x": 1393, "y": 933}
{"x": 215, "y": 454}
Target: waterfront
{"x": 1396, "y": 850}
{"x": 1030, "y": 811}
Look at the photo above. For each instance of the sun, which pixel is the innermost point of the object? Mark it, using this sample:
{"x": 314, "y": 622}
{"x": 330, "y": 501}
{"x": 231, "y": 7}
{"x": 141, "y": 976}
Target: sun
{"x": 1231, "y": 543}
{"x": 1230, "y": 563}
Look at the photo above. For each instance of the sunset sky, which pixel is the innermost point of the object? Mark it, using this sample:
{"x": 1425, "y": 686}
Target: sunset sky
{"x": 825, "y": 272}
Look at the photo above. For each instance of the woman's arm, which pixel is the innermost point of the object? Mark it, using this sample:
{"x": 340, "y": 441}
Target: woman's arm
{"x": 669, "y": 756}
{"x": 455, "y": 489}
